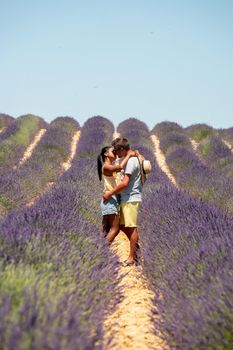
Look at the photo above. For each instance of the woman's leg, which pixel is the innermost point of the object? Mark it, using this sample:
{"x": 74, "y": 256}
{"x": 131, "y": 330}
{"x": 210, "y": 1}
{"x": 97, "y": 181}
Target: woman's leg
{"x": 105, "y": 225}
{"x": 114, "y": 221}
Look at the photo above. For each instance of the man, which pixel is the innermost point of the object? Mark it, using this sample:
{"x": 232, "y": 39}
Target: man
{"x": 130, "y": 189}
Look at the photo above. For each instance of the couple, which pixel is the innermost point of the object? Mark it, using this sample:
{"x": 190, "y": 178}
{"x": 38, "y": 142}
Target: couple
{"x": 119, "y": 169}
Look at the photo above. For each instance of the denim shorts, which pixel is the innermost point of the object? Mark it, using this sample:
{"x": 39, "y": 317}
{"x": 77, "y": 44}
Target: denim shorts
{"x": 110, "y": 207}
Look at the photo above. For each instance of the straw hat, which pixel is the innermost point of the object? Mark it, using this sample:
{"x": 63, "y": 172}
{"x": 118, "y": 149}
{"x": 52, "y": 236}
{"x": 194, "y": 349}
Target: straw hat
{"x": 146, "y": 166}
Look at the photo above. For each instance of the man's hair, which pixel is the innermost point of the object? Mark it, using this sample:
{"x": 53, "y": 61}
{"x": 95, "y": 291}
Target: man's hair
{"x": 115, "y": 141}
{"x": 120, "y": 143}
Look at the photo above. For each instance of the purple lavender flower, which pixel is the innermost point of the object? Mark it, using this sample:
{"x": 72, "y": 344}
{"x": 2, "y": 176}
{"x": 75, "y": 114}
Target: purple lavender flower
{"x": 187, "y": 250}
{"x": 76, "y": 280}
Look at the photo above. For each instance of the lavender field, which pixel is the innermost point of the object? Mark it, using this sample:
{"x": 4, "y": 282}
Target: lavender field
{"x": 60, "y": 281}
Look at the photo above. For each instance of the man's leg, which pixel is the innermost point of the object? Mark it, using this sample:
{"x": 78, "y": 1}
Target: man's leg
{"x": 129, "y": 216}
{"x": 132, "y": 233}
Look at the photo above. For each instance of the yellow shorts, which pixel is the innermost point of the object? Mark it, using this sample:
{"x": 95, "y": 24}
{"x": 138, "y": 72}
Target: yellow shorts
{"x": 129, "y": 214}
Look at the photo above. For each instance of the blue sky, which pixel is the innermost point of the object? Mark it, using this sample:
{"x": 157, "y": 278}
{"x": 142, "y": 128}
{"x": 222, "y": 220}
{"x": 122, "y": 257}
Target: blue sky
{"x": 153, "y": 60}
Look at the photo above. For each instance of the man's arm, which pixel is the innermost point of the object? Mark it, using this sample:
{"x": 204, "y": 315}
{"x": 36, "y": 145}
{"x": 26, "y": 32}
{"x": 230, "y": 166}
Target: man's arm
{"x": 123, "y": 184}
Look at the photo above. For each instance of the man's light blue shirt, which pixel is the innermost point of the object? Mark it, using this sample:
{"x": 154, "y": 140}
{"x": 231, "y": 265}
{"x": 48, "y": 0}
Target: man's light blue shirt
{"x": 133, "y": 192}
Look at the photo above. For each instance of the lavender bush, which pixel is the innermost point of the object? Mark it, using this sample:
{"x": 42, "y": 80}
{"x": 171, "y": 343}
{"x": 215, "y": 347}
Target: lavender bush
{"x": 216, "y": 155}
{"x": 173, "y": 140}
{"x": 194, "y": 175}
{"x": 16, "y": 138}
{"x": 98, "y": 131}
{"x": 5, "y": 120}
{"x": 61, "y": 271}
{"x": 136, "y": 130}
{"x": 227, "y": 135}
{"x": 20, "y": 186}
{"x": 199, "y": 131}
{"x": 187, "y": 251}
{"x": 10, "y": 130}
{"x": 166, "y": 128}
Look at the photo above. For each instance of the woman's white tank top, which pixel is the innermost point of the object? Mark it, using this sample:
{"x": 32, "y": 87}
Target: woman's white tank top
{"x": 110, "y": 181}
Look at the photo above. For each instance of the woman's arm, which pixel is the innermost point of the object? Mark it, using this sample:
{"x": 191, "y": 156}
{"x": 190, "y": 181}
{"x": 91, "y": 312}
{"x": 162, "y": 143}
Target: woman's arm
{"x": 118, "y": 167}
{"x": 126, "y": 158}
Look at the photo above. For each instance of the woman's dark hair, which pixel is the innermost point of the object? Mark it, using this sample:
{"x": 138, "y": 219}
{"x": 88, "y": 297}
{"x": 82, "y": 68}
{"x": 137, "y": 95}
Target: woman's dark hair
{"x": 100, "y": 160}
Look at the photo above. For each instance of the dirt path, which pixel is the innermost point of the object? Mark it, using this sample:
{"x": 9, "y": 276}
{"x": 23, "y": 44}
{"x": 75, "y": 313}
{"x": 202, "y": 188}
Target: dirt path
{"x": 131, "y": 325}
{"x": 161, "y": 159}
{"x": 29, "y": 150}
{"x": 1, "y": 130}
{"x": 65, "y": 166}
{"x": 228, "y": 145}
{"x": 194, "y": 144}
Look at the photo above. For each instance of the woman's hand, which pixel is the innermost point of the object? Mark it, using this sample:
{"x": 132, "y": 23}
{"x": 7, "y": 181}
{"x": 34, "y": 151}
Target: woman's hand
{"x": 107, "y": 195}
{"x": 132, "y": 153}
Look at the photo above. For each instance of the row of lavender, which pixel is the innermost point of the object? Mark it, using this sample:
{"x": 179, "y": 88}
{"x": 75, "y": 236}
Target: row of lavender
{"x": 192, "y": 173}
{"x": 213, "y": 148}
{"x": 58, "y": 278}
{"x": 213, "y": 145}
{"x": 5, "y": 121}
{"x": 227, "y": 135}
{"x": 188, "y": 258}
{"x": 15, "y": 139}
{"x": 19, "y": 186}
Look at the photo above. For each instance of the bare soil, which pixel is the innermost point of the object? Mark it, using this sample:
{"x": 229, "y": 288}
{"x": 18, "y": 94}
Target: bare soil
{"x": 29, "y": 150}
{"x": 66, "y": 165}
{"x": 161, "y": 159}
{"x": 228, "y": 145}
{"x": 131, "y": 325}
{"x": 1, "y": 130}
{"x": 194, "y": 144}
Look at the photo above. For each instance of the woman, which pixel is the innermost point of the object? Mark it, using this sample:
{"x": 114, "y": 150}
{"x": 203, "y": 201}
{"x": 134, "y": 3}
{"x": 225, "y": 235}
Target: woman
{"x": 109, "y": 171}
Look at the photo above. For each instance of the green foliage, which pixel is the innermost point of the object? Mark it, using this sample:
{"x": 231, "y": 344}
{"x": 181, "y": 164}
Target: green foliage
{"x": 59, "y": 150}
{"x": 202, "y": 134}
{"x": 6, "y": 202}
{"x": 205, "y": 146}
{"x": 86, "y": 214}
{"x": 28, "y": 126}
{"x": 17, "y": 143}
{"x": 67, "y": 123}
{"x": 52, "y": 276}
{"x": 6, "y": 152}
{"x": 39, "y": 269}
{"x": 2, "y": 154}
{"x": 223, "y": 162}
